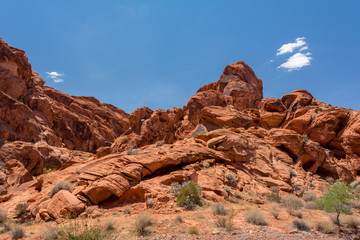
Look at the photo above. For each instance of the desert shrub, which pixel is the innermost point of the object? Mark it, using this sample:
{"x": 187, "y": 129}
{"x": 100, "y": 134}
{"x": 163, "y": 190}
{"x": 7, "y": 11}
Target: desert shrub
{"x": 219, "y": 209}
{"x": 330, "y": 180}
{"x": 256, "y": 217}
{"x": 3, "y": 215}
{"x": 337, "y": 199}
{"x": 325, "y": 227}
{"x": 81, "y": 231}
{"x": 274, "y": 195}
{"x": 231, "y": 178}
{"x": 275, "y": 212}
{"x": 127, "y": 211}
{"x": 48, "y": 170}
{"x": 355, "y": 204}
{"x": 132, "y": 151}
{"x": 62, "y": 185}
{"x": 141, "y": 224}
{"x": 21, "y": 209}
{"x": 187, "y": 195}
{"x": 7, "y": 226}
{"x": 238, "y": 194}
{"x": 109, "y": 225}
{"x": 227, "y": 190}
{"x": 193, "y": 230}
{"x": 17, "y": 232}
{"x": 291, "y": 201}
{"x": 352, "y": 222}
{"x": 226, "y": 222}
{"x": 300, "y": 225}
{"x": 150, "y": 202}
{"x": 233, "y": 200}
{"x": 295, "y": 213}
{"x": 159, "y": 143}
{"x": 179, "y": 219}
{"x": 51, "y": 234}
{"x": 309, "y": 196}
{"x": 311, "y": 205}
{"x": 206, "y": 164}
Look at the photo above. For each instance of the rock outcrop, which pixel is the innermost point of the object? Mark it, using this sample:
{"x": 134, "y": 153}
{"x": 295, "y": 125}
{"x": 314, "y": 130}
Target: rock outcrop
{"x": 226, "y": 129}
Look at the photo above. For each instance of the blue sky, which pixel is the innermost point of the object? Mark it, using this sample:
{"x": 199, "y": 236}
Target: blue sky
{"x": 158, "y": 53}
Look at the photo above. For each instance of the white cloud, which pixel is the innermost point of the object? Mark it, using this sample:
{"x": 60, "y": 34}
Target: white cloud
{"x": 290, "y": 47}
{"x": 296, "y": 61}
{"x": 54, "y": 76}
{"x": 304, "y": 48}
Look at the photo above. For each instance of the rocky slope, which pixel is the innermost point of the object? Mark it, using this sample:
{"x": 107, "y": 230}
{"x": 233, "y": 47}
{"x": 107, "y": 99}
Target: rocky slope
{"x": 112, "y": 158}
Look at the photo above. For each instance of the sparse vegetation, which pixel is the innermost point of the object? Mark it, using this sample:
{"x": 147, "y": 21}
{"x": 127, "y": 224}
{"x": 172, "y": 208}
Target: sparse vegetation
{"x": 300, "y": 225}
{"x": 150, "y": 202}
{"x": 219, "y": 209}
{"x": 141, "y": 224}
{"x": 237, "y": 194}
{"x": 330, "y": 180}
{"x": 159, "y": 143}
{"x": 233, "y": 200}
{"x": 21, "y": 209}
{"x": 48, "y": 170}
{"x": 226, "y": 222}
{"x": 337, "y": 199}
{"x": 311, "y": 205}
{"x": 255, "y": 216}
{"x": 206, "y": 164}
{"x": 17, "y": 232}
{"x": 231, "y": 178}
{"x": 309, "y": 196}
{"x": 3, "y": 215}
{"x": 352, "y": 222}
{"x": 76, "y": 230}
{"x": 227, "y": 190}
{"x": 275, "y": 212}
{"x": 187, "y": 195}
{"x": 179, "y": 219}
{"x": 274, "y": 195}
{"x": 291, "y": 201}
{"x": 295, "y": 213}
{"x": 109, "y": 225}
{"x": 62, "y": 185}
{"x": 132, "y": 151}
{"x": 325, "y": 227}
{"x": 51, "y": 234}
{"x": 193, "y": 230}
{"x": 127, "y": 211}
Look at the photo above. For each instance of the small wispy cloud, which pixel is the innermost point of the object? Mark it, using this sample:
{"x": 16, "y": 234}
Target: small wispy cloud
{"x": 290, "y": 47}
{"x": 55, "y": 76}
{"x": 296, "y": 61}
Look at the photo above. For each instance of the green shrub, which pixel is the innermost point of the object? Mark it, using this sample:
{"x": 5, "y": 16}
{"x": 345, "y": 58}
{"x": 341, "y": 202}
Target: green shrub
{"x": 63, "y": 185}
{"x": 76, "y": 230}
{"x": 141, "y": 224}
{"x": 309, "y": 196}
{"x": 193, "y": 230}
{"x": 48, "y": 170}
{"x": 291, "y": 201}
{"x": 219, "y": 209}
{"x": 17, "y": 232}
{"x": 256, "y": 217}
{"x": 337, "y": 199}
{"x": 187, "y": 195}
{"x": 300, "y": 225}
{"x": 21, "y": 209}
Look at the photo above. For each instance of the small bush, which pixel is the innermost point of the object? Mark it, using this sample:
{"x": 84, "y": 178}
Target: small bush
{"x": 275, "y": 212}
{"x": 274, "y": 195}
{"x": 179, "y": 219}
{"x": 355, "y": 204}
{"x": 17, "y": 232}
{"x": 81, "y": 231}
{"x": 7, "y": 226}
{"x": 51, "y": 234}
{"x": 141, "y": 224}
{"x": 48, "y": 170}
{"x": 193, "y": 230}
{"x": 295, "y": 213}
{"x": 206, "y": 164}
{"x": 256, "y": 217}
{"x": 226, "y": 223}
{"x": 21, "y": 209}
{"x": 63, "y": 185}
{"x": 109, "y": 225}
{"x": 150, "y": 203}
{"x": 3, "y": 215}
{"x": 127, "y": 211}
{"x": 159, "y": 143}
{"x": 233, "y": 200}
{"x": 325, "y": 227}
{"x": 238, "y": 194}
{"x": 227, "y": 190}
{"x": 309, "y": 196}
{"x": 300, "y": 225}
{"x": 330, "y": 180}
{"x": 188, "y": 195}
{"x": 352, "y": 222}
{"x": 219, "y": 209}
{"x": 231, "y": 178}
{"x": 311, "y": 205}
{"x": 291, "y": 201}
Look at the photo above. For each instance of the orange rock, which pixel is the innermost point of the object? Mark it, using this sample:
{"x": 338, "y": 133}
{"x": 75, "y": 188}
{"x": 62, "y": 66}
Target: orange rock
{"x": 64, "y": 204}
